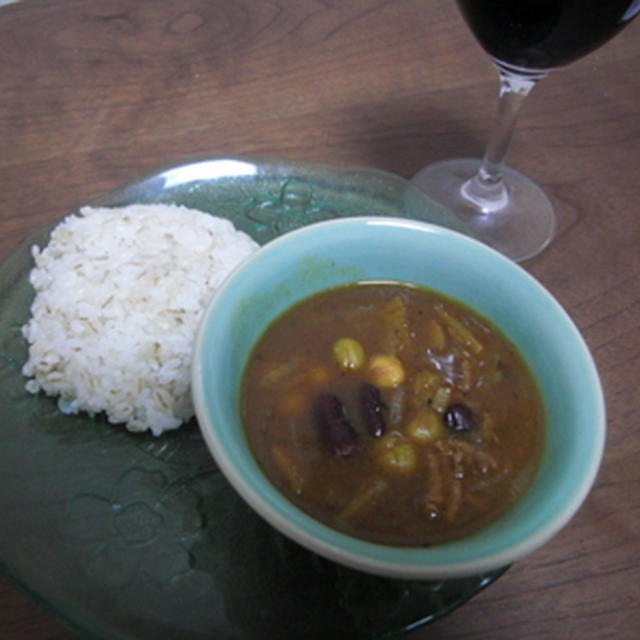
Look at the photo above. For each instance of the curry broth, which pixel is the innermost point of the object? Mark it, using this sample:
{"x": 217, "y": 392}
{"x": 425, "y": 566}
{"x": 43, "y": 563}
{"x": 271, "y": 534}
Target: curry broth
{"x": 392, "y": 413}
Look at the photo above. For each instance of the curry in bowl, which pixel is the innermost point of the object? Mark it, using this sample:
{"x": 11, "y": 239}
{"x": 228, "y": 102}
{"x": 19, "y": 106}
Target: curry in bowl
{"x": 393, "y": 413}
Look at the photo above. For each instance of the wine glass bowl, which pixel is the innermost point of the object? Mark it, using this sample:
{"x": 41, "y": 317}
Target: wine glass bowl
{"x": 540, "y": 35}
{"x": 526, "y": 40}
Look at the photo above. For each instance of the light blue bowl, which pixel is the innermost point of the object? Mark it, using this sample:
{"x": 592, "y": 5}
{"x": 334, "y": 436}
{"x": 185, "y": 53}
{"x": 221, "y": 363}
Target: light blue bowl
{"x": 326, "y": 254}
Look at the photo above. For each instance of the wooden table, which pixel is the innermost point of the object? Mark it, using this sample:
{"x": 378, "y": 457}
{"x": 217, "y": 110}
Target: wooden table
{"x": 94, "y": 92}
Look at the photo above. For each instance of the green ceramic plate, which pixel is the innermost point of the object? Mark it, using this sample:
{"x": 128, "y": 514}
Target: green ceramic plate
{"x": 127, "y": 536}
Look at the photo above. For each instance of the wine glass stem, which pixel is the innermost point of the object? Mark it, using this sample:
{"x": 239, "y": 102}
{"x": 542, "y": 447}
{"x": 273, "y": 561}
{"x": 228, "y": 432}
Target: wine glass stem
{"x": 486, "y": 190}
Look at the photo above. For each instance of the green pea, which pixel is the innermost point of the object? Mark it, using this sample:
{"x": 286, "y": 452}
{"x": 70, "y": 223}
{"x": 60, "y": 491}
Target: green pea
{"x": 425, "y": 427}
{"x": 348, "y": 354}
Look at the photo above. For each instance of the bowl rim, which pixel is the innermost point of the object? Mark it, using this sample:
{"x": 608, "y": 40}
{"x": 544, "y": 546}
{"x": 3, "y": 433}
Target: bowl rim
{"x": 386, "y": 560}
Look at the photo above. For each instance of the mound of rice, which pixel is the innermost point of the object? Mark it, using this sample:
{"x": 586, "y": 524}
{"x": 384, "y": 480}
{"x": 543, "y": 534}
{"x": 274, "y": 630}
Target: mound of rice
{"x": 119, "y": 295}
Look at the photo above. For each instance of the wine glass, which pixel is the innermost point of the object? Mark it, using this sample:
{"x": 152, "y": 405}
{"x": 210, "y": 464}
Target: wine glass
{"x": 526, "y": 39}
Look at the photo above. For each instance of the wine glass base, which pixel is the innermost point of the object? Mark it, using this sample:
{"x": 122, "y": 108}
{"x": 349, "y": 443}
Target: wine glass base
{"x": 520, "y": 229}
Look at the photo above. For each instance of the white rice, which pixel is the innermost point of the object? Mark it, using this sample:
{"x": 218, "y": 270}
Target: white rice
{"x": 119, "y": 295}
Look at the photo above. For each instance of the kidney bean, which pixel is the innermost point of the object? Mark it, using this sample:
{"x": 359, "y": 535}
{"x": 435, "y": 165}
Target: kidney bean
{"x": 458, "y": 417}
{"x": 371, "y": 409}
{"x": 333, "y": 425}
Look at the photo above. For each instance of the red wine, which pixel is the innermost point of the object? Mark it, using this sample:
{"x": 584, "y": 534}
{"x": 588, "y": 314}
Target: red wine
{"x": 542, "y": 34}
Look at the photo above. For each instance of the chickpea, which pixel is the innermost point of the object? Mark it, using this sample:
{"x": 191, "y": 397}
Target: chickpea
{"x": 348, "y": 354}
{"x": 402, "y": 458}
{"x": 425, "y": 427}
{"x": 385, "y": 371}
{"x": 396, "y": 454}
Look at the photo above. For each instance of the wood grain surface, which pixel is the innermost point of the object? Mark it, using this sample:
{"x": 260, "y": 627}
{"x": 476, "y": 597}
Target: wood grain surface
{"x": 95, "y": 92}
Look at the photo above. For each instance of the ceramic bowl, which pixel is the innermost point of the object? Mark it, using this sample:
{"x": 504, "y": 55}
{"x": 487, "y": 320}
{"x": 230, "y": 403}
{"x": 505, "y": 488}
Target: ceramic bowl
{"x": 308, "y": 260}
